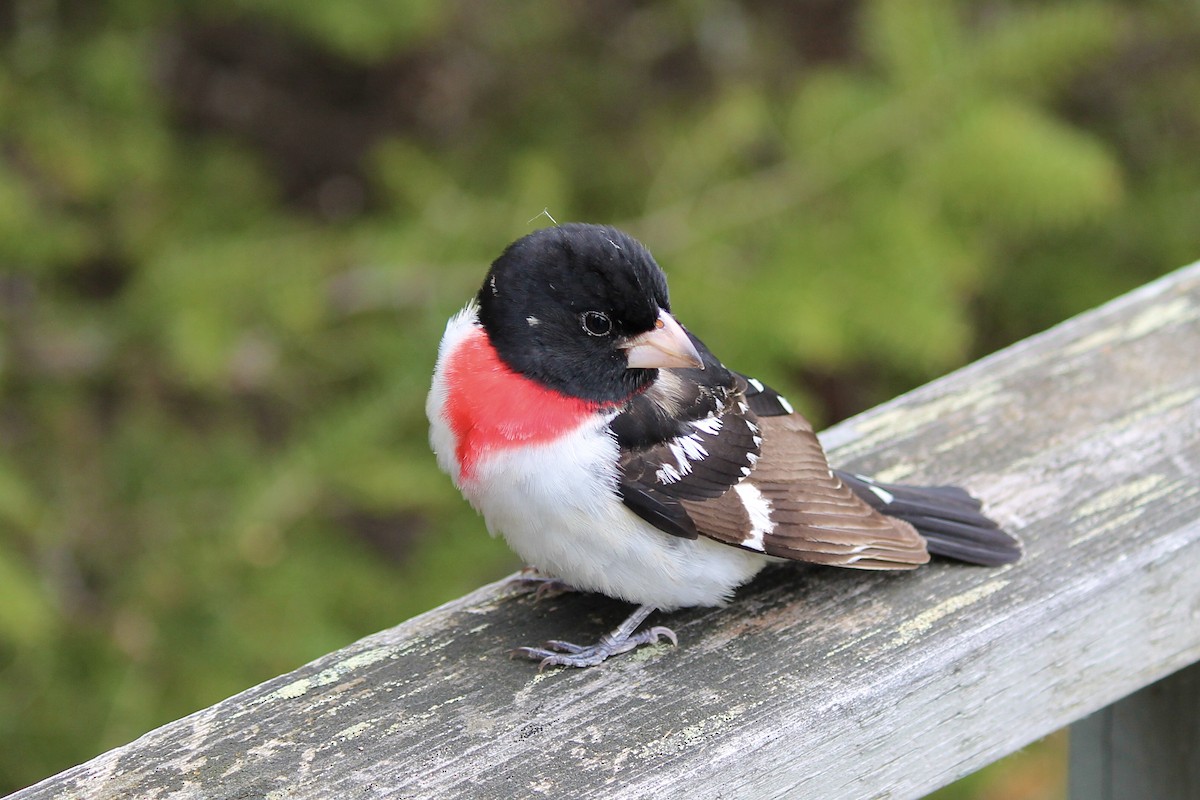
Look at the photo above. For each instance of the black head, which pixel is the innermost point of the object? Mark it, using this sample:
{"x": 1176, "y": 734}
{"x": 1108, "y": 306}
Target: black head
{"x": 563, "y": 306}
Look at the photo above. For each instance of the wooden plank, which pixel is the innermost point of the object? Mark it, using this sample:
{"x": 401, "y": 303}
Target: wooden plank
{"x": 823, "y": 683}
{"x": 1146, "y": 745}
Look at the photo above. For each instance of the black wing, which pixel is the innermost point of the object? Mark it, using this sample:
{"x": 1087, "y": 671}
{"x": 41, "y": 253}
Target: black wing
{"x": 765, "y": 401}
{"x": 696, "y": 434}
{"x": 690, "y": 436}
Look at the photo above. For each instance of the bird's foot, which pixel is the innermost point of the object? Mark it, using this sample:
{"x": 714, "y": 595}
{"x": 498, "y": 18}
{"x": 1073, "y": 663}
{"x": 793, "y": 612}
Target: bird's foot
{"x": 543, "y": 585}
{"x": 555, "y": 653}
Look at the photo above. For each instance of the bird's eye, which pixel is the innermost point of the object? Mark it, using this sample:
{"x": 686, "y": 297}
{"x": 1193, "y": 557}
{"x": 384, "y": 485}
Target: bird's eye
{"x": 596, "y": 323}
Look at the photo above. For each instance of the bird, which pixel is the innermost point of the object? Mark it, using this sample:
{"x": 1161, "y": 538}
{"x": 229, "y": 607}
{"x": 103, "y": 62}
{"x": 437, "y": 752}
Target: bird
{"x": 616, "y": 454}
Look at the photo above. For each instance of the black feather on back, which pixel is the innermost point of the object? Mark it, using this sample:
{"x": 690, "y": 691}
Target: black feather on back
{"x": 765, "y": 401}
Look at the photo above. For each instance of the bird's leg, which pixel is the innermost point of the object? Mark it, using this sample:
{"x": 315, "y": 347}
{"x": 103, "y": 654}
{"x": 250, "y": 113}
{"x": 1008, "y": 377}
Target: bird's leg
{"x": 531, "y": 577}
{"x": 556, "y": 653}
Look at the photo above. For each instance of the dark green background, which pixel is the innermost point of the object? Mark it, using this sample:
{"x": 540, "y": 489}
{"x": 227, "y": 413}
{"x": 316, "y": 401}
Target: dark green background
{"x": 231, "y": 231}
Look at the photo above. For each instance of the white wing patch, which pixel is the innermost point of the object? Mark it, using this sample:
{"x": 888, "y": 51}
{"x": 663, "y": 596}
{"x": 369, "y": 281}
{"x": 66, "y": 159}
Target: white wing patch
{"x": 685, "y": 450}
{"x": 692, "y": 447}
{"x": 754, "y": 432}
{"x": 758, "y": 507}
{"x": 884, "y": 495}
{"x": 667, "y": 474}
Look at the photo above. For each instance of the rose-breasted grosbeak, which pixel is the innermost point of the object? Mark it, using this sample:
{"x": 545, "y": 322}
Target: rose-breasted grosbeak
{"x": 615, "y": 453}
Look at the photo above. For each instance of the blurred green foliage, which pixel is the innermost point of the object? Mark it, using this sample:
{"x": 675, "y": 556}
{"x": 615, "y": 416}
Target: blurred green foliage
{"x": 230, "y": 234}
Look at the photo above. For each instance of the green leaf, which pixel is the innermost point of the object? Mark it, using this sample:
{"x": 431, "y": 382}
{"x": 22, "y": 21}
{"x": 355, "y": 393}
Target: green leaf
{"x": 917, "y": 41}
{"x": 1012, "y": 165}
{"x": 26, "y": 616}
{"x": 1038, "y": 49}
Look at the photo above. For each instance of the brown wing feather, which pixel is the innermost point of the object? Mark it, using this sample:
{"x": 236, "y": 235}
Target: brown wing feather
{"x": 814, "y": 515}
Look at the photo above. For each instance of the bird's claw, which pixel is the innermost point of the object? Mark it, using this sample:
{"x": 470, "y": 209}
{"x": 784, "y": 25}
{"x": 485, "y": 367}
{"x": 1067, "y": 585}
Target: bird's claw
{"x": 664, "y": 632}
{"x": 545, "y": 586}
{"x": 557, "y": 653}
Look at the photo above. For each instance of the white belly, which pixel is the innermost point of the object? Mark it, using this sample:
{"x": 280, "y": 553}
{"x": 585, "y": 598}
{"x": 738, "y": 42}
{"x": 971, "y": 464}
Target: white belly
{"x": 556, "y": 506}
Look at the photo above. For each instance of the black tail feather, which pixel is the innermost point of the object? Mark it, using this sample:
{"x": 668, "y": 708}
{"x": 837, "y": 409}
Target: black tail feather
{"x": 949, "y": 518}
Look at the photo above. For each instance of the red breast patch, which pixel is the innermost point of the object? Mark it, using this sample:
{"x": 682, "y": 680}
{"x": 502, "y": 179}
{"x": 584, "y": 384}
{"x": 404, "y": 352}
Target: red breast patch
{"x": 489, "y": 407}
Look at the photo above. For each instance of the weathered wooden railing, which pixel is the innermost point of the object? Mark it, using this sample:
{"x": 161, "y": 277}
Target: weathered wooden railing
{"x": 815, "y": 683}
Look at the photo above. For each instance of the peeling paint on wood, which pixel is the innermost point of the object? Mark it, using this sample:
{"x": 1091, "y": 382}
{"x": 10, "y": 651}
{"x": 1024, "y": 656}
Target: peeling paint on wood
{"x": 814, "y": 682}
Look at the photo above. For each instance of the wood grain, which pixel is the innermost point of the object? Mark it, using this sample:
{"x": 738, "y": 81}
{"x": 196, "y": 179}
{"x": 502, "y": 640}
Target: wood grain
{"x": 815, "y": 682}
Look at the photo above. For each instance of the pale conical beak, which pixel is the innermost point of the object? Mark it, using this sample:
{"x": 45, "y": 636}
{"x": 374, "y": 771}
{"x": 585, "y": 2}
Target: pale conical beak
{"x": 666, "y": 345}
